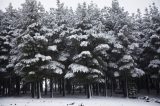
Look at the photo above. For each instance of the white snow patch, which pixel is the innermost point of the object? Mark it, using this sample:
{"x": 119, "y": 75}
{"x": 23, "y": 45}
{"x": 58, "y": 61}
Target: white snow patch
{"x": 41, "y": 38}
{"x": 3, "y": 57}
{"x": 137, "y": 72}
{"x": 52, "y": 48}
{"x": 78, "y": 37}
{"x": 133, "y": 46}
{"x": 158, "y": 51}
{"x": 43, "y": 57}
{"x": 112, "y": 65}
{"x": 82, "y": 54}
{"x": 126, "y": 66}
{"x": 154, "y": 63}
{"x": 74, "y": 101}
{"x": 69, "y": 75}
{"x": 102, "y": 47}
{"x": 154, "y": 36}
{"x": 2, "y": 69}
{"x": 118, "y": 46}
{"x": 63, "y": 56}
{"x": 78, "y": 68}
{"x": 55, "y": 66}
{"x": 84, "y": 43}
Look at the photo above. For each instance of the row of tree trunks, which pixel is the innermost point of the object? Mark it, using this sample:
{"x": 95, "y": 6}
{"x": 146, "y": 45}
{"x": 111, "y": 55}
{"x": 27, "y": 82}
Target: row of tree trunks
{"x": 91, "y": 89}
{"x": 10, "y": 86}
{"x": 51, "y": 87}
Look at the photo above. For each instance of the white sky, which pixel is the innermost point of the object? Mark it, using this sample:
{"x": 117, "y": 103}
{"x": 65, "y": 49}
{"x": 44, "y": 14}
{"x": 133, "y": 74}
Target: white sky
{"x": 129, "y": 5}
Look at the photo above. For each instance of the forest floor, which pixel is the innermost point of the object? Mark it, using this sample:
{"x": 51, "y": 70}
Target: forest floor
{"x": 75, "y": 101}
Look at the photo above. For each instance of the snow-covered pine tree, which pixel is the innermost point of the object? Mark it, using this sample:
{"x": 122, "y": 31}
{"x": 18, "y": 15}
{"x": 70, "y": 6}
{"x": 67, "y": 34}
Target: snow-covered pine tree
{"x": 83, "y": 45}
{"x": 7, "y": 30}
{"x": 151, "y": 46}
{"x": 59, "y": 20}
{"x": 32, "y": 45}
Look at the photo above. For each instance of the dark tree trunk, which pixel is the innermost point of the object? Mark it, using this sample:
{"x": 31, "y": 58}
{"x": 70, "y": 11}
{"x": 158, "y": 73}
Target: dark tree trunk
{"x": 51, "y": 87}
{"x": 105, "y": 87}
{"x": 147, "y": 84}
{"x": 64, "y": 87}
{"x": 111, "y": 86}
{"x": 126, "y": 86}
{"x": 38, "y": 90}
{"x": 33, "y": 89}
{"x": 89, "y": 91}
{"x": 9, "y": 87}
{"x": 85, "y": 89}
{"x": 91, "y": 87}
{"x": 73, "y": 89}
{"x": 3, "y": 89}
{"x": 18, "y": 85}
{"x": 68, "y": 86}
{"x": 60, "y": 86}
{"x": 157, "y": 85}
{"x": 41, "y": 86}
{"x": 0, "y": 87}
{"x": 46, "y": 86}
{"x": 97, "y": 90}
{"x": 55, "y": 85}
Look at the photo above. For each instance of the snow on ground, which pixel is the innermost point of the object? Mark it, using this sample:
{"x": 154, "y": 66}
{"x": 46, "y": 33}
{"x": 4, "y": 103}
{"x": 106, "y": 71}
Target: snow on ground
{"x": 74, "y": 101}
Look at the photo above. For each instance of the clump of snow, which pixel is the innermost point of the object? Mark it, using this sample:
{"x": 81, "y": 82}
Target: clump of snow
{"x": 75, "y": 68}
{"x": 84, "y": 43}
{"x": 95, "y": 61}
{"x": 43, "y": 57}
{"x": 30, "y": 61}
{"x": 52, "y": 48}
{"x": 33, "y": 25}
{"x": 126, "y": 58}
{"x": 126, "y": 67}
{"x": 116, "y": 74}
{"x": 100, "y": 35}
{"x": 55, "y": 66}
{"x": 41, "y": 38}
{"x": 158, "y": 51}
{"x": 78, "y": 37}
{"x": 102, "y": 47}
{"x": 154, "y": 63}
{"x": 112, "y": 65}
{"x": 133, "y": 45}
{"x": 118, "y": 46}
{"x": 4, "y": 50}
{"x": 146, "y": 44}
{"x": 158, "y": 29}
{"x": 10, "y": 65}
{"x": 2, "y": 69}
{"x": 27, "y": 37}
{"x": 83, "y": 54}
{"x": 154, "y": 36}
{"x": 49, "y": 34}
{"x": 69, "y": 75}
{"x": 57, "y": 40}
{"x": 115, "y": 51}
{"x": 96, "y": 71}
{"x": 137, "y": 72}
{"x": 63, "y": 56}
{"x": 36, "y": 59}
{"x": 31, "y": 73}
{"x": 3, "y": 57}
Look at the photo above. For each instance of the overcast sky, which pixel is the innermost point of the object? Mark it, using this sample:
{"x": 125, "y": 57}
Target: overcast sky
{"x": 129, "y": 5}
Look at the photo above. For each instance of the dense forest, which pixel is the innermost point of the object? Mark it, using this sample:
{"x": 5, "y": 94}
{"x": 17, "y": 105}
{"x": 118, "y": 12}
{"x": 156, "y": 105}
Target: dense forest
{"x": 90, "y": 50}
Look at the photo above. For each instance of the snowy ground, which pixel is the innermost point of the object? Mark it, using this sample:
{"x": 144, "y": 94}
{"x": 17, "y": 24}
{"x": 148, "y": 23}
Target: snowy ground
{"x": 74, "y": 101}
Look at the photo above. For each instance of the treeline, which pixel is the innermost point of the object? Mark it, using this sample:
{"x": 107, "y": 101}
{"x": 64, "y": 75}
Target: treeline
{"x": 90, "y": 49}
